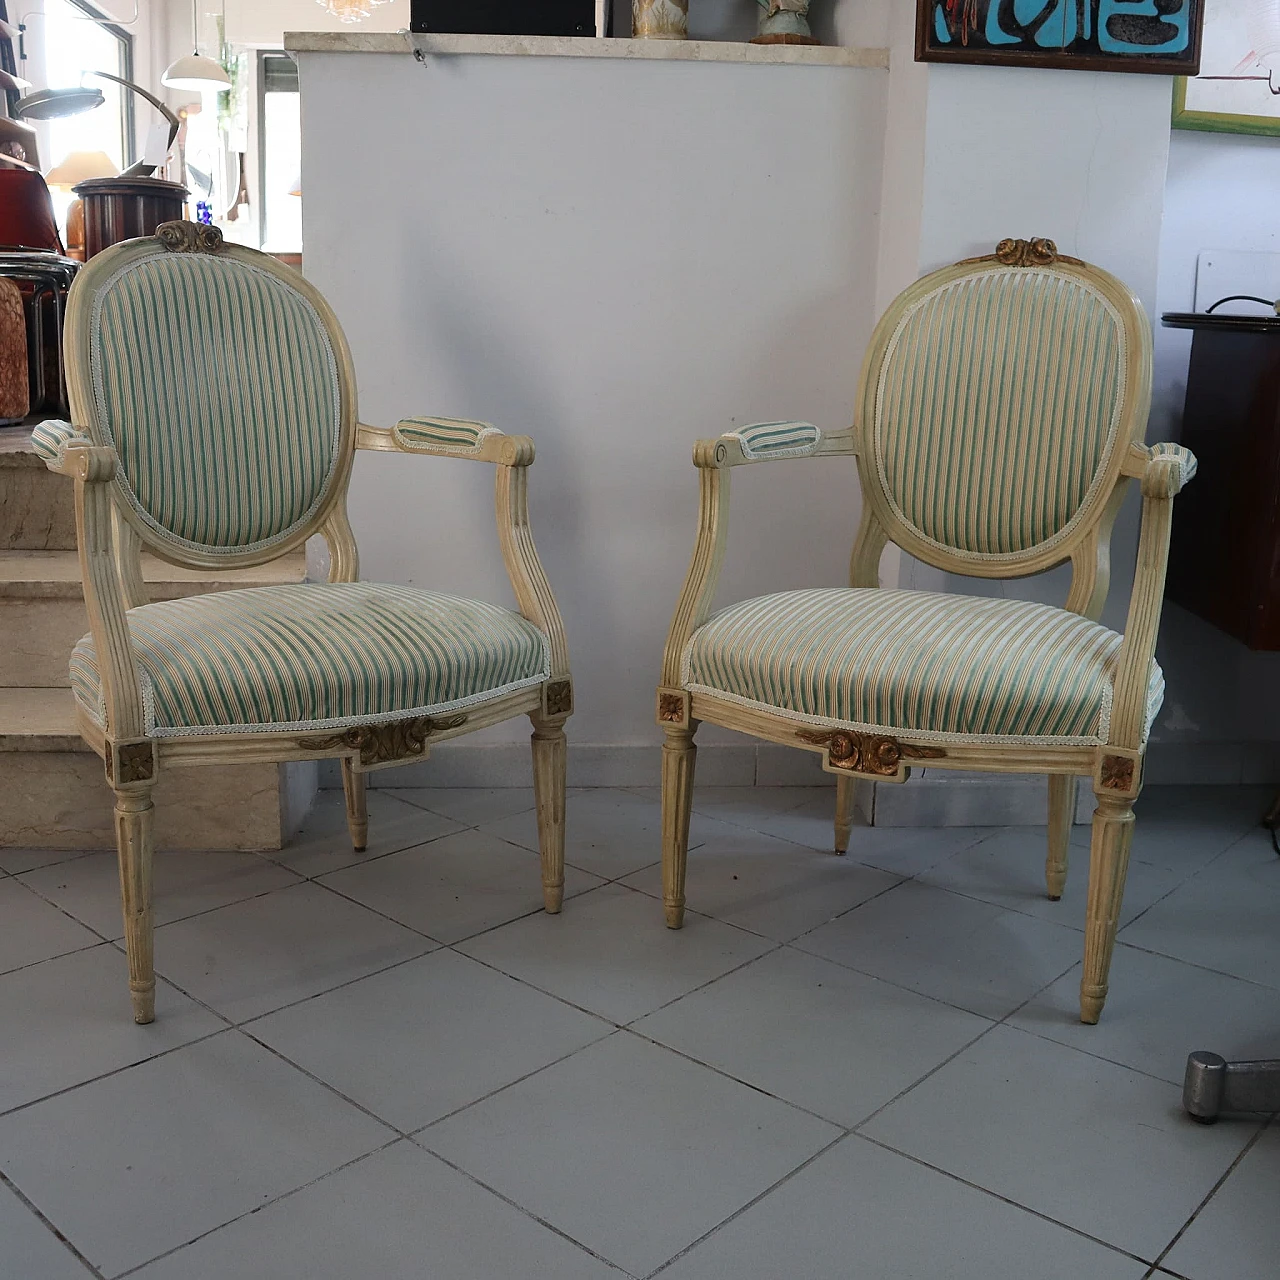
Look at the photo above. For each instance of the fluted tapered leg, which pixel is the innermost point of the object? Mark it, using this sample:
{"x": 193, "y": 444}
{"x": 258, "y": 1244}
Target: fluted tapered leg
{"x": 549, "y": 770}
{"x": 845, "y": 792}
{"x": 133, "y": 822}
{"x": 678, "y": 757}
{"x": 1108, "y": 865}
{"x": 1062, "y": 812}
{"x": 355, "y": 788}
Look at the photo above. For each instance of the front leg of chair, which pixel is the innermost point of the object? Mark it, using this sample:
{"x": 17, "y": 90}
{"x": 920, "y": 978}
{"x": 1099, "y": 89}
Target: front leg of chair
{"x": 1062, "y": 812}
{"x": 678, "y": 758}
{"x": 134, "y": 835}
{"x": 1108, "y": 866}
{"x": 355, "y": 788}
{"x": 550, "y": 765}
{"x": 846, "y": 790}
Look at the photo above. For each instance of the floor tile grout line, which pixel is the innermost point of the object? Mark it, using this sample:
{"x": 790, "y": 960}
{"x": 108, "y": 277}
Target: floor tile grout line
{"x": 62, "y": 955}
{"x": 995, "y": 1195}
{"x": 46, "y": 1221}
{"x": 750, "y": 1204}
{"x": 258, "y": 1208}
{"x": 528, "y": 1213}
{"x": 114, "y": 1071}
{"x": 1213, "y": 1191}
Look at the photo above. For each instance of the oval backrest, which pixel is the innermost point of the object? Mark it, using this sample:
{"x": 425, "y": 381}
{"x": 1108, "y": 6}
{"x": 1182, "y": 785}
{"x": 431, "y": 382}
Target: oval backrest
{"x": 998, "y": 399}
{"x": 219, "y": 377}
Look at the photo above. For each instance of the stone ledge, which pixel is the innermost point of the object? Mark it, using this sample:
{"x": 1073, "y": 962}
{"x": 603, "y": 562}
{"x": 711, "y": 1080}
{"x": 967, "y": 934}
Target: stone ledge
{"x": 811, "y": 55}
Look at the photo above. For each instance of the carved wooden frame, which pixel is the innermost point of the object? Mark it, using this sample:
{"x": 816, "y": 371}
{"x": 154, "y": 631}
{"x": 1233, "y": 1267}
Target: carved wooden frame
{"x": 853, "y": 753}
{"x": 111, "y": 538}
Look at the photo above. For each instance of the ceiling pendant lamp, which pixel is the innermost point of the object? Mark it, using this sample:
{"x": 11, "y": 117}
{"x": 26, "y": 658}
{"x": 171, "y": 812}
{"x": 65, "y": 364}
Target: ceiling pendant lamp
{"x": 350, "y": 10}
{"x": 194, "y": 71}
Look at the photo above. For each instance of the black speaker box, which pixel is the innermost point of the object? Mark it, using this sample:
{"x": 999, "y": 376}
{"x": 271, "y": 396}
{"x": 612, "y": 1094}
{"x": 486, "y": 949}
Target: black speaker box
{"x": 504, "y": 17}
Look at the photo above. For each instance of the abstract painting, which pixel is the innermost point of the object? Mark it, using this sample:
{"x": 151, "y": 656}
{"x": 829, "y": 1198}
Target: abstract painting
{"x": 1161, "y": 36}
{"x": 1238, "y": 88}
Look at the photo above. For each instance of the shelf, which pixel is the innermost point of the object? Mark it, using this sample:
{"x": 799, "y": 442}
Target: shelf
{"x": 805, "y": 55}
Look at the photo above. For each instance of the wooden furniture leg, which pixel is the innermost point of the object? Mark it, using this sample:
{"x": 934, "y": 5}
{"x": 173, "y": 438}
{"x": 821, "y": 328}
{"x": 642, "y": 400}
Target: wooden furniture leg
{"x": 1062, "y": 812}
{"x": 355, "y": 788}
{"x": 1108, "y": 865}
{"x": 845, "y": 793}
{"x": 133, "y": 820}
{"x": 549, "y": 772}
{"x": 678, "y": 758}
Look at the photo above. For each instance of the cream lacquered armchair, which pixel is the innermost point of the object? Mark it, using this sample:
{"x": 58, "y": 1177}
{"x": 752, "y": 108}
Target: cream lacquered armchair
{"x": 1000, "y": 416}
{"x": 214, "y": 409}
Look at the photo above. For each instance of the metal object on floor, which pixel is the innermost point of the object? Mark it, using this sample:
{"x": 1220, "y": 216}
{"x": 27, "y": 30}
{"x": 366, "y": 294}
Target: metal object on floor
{"x": 1213, "y": 1086}
{"x": 45, "y": 280}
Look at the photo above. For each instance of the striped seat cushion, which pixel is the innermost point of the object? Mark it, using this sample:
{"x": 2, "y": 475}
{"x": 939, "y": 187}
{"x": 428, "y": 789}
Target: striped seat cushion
{"x": 316, "y": 655}
{"x": 944, "y": 667}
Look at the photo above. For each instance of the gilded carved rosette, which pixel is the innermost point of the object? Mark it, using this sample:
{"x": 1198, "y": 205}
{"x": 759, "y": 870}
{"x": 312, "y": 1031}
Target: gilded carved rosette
{"x": 660, "y": 19}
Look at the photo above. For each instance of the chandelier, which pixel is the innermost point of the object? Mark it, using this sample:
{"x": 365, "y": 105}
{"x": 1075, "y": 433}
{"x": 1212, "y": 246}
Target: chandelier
{"x": 350, "y": 10}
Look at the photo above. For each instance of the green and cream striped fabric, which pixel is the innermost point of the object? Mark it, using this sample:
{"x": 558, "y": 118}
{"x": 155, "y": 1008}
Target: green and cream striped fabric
{"x": 316, "y": 655}
{"x": 216, "y": 384}
{"x": 50, "y": 439}
{"x": 454, "y": 435}
{"x": 997, "y": 401}
{"x": 762, "y": 440}
{"x": 1185, "y": 459}
{"x": 939, "y": 666}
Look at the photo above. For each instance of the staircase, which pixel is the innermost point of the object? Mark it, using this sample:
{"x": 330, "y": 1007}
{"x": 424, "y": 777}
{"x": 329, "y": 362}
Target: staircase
{"x": 53, "y": 792}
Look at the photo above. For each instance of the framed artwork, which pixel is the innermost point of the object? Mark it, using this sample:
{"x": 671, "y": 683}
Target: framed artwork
{"x": 1238, "y": 88}
{"x": 1160, "y": 36}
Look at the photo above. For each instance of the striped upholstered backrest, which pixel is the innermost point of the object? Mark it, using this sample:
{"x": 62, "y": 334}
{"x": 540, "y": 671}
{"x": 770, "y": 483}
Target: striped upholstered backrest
{"x": 997, "y": 403}
{"x": 216, "y": 380}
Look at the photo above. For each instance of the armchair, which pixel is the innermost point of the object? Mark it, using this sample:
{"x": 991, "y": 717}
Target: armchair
{"x": 1001, "y": 412}
{"x": 215, "y": 423}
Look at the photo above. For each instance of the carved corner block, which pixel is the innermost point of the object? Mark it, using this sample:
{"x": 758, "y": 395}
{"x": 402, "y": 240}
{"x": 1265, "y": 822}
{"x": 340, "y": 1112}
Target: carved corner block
{"x": 129, "y": 763}
{"x": 557, "y": 697}
{"x": 867, "y": 755}
{"x": 673, "y": 707}
{"x": 1119, "y": 772}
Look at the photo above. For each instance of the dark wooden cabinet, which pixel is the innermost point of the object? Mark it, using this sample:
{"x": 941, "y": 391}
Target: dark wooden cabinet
{"x": 118, "y": 209}
{"x": 1224, "y": 564}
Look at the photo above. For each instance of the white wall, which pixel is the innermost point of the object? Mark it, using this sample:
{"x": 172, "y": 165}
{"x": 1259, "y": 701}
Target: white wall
{"x": 617, "y": 258}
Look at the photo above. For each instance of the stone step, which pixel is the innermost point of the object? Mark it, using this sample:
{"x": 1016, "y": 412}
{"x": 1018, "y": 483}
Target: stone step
{"x": 37, "y": 508}
{"x": 56, "y": 795}
{"x": 42, "y": 613}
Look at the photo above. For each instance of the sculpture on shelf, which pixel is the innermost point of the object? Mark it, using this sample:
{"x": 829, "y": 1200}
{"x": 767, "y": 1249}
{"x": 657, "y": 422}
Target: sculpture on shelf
{"x": 784, "y": 22}
{"x": 660, "y": 19}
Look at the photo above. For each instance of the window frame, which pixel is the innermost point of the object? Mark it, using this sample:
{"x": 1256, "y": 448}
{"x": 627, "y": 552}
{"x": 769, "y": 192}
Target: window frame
{"x": 128, "y": 121}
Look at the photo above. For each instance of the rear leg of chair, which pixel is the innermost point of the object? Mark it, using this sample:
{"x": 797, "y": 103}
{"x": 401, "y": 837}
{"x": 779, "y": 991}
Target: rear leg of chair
{"x": 549, "y": 771}
{"x": 678, "y": 757}
{"x": 133, "y": 820}
{"x": 846, "y": 791}
{"x": 355, "y": 788}
{"x": 1108, "y": 865}
{"x": 1062, "y": 812}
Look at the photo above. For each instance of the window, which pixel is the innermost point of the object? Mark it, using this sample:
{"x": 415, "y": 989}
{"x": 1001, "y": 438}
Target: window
{"x": 280, "y": 153}
{"x": 73, "y": 44}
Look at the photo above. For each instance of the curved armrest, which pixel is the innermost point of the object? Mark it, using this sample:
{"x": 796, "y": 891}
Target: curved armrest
{"x": 512, "y": 455}
{"x": 70, "y": 452}
{"x": 448, "y": 438}
{"x": 53, "y": 438}
{"x": 768, "y": 441}
{"x": 1163, "y": 469}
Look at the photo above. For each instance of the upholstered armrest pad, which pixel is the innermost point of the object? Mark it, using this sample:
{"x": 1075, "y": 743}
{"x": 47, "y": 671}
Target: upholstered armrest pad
{"x": 53, "y": 438}
{"x": 764, "y": 440}
{"x": 1183, "y": 462}
{"x": 442, "y": 435}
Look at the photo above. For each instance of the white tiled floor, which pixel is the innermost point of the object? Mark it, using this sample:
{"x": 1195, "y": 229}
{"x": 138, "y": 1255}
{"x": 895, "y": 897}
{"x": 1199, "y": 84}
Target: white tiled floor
{"x": 394, "y": 1065}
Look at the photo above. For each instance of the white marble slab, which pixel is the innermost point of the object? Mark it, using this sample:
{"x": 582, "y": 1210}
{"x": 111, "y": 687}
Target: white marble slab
{"x": 583, "y": 47}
